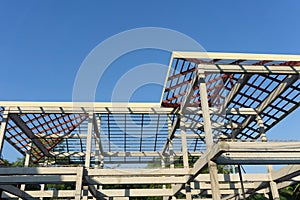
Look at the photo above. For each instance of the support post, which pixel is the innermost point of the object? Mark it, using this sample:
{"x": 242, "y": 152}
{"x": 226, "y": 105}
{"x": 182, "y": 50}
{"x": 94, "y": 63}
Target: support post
{"x": 99, "y": 158}
{"x": 185, "y": 155}
{"x": 26, "y": 163}
{"x": 171, "y": 151}
{"x": 273, "y": 185}
{"x": 42, "y": 190}
{"x": 27, "y": 157}
{"x": 188, "y": 193}
{"x": 241, "y": 181}
{"x": 3, "y": 129}
{"x": 213, "y": 174}
{"x": 89, "y": 141}
{"x": 213, "y": 170}
{"x": 78, "y": 186}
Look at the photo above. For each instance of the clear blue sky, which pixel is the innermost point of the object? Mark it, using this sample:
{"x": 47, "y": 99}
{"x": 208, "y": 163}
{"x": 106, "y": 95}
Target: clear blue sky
{"x": 43, "y": 43}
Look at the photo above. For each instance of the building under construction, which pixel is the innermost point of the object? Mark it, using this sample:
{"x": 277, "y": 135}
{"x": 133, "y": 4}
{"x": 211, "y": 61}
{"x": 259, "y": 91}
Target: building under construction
{"x": 213, "y": 118}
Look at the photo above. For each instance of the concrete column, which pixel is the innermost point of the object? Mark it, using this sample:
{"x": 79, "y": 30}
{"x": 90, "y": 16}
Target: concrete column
{"x": 213, "y": 170}
{"x": 89, "y": 141}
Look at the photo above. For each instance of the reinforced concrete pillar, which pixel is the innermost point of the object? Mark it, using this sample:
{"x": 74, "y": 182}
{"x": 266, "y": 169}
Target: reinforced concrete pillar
{"x": 213, "y": 170}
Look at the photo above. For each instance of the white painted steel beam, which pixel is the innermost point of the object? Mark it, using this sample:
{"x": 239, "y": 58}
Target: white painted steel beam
{"x": 235, "y": 56}
{"x": 137, "y": 172}
{"x": 108, "y": 180}
{"x": 136, "y": 192}
{"x": 85, "y": 107}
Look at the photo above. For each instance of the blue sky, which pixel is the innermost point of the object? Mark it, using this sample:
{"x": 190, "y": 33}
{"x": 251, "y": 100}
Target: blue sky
{"x": 43, "y": 43}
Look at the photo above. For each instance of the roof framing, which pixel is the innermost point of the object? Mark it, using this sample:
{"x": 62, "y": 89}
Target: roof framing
{"x": 215, "y": 109}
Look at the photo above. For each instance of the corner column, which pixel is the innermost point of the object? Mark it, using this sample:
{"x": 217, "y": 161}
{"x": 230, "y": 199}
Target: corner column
{"x": 213, "y": 170}
{"x": 272, "y": 183}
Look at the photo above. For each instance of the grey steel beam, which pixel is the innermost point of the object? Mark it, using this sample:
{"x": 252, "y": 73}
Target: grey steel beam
{"x": 38, "y": 170}
{"x": 286, "y": 173}
{"x": 35, "y": 140}
{"x": 171, "y": 133}
{"x": 190, "y": 91}
{"x": 4, "y": 180}
{"x": 17, "y": 192}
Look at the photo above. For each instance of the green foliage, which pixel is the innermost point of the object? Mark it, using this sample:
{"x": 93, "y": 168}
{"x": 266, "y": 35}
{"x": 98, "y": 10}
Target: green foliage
{"x": 257, "y": 197}
{"x": 5, "y": 163}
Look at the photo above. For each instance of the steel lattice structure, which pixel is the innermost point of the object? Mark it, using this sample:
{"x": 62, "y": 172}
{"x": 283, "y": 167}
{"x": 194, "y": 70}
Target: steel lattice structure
{"x": 216, "y": 109}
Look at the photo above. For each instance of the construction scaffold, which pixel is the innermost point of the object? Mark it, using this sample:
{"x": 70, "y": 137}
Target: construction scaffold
{"x": 215, "y": 111}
